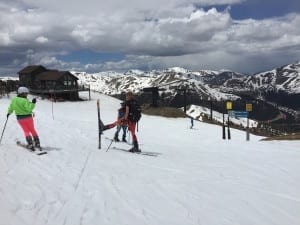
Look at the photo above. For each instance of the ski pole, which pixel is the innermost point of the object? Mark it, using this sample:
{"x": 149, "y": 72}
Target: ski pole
{"x": 99, "y": 124}
{"x": 3, "y": 129}
{"x": 52, "y": 112}
{"x": 110, "y": 144}
{"x": 52, "y": 107}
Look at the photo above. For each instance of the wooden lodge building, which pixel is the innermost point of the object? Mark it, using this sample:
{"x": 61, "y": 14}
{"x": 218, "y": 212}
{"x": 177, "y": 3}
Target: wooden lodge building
{"x": 50, "y": 83}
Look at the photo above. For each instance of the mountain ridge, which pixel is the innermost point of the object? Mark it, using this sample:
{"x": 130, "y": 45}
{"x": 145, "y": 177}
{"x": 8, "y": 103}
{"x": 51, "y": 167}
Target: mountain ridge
{"x": 218, "y": 85}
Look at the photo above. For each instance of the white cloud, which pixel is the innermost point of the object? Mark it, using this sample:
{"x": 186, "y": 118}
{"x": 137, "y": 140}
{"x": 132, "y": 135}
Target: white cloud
{"x": 41, "y": 39}
{"x": 162, "y": 32}
{"x": 116, "y": 6}
{"x": 5, "y": 39}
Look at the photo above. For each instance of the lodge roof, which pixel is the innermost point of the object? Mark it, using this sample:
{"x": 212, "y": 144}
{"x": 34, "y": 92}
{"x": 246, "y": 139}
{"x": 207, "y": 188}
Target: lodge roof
{"x": 30, "y": 69}
{"x": 54, "y": 75}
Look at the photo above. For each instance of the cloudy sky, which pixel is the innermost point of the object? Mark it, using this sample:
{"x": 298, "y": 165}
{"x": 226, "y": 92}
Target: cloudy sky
{"x": 246, "y": 36}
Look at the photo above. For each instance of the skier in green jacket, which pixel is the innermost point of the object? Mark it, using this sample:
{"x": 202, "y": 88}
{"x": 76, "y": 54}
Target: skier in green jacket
{"x": 23, "y": 110}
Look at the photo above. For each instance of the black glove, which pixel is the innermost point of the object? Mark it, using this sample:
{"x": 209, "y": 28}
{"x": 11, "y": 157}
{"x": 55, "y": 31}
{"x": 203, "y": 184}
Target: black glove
{"x": 7, "y": 115}
{"x": 33, "y": 101}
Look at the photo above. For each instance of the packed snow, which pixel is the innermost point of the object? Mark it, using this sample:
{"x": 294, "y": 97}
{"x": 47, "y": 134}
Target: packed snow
{"x": 197, "y": 178}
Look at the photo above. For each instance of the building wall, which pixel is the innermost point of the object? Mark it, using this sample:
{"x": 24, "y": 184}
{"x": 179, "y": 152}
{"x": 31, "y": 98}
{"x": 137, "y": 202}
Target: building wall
{"x": 67, "y": 84}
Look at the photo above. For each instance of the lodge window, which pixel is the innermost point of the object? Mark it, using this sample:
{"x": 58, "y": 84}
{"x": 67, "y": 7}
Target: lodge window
{"x": 69, "y": 83}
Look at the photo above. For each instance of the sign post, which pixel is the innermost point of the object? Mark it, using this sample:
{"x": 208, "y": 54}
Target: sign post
{"x": 228, "y": 107}
{"x": 223, "y": 127}
{"x": 248, "y": 109}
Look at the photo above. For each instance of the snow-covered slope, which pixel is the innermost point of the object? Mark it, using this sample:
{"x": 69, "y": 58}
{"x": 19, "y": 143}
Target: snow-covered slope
{"x": 197, "y": 178}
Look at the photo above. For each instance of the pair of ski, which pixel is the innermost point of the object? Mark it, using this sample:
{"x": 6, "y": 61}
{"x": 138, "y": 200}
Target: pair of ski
{"x": 138, "y": 153}
{"x": 37, "y": 151}
{"x": 125, "y": 150}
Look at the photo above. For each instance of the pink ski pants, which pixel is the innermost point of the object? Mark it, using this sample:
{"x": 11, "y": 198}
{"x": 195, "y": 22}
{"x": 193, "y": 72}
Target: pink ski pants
{"x": 28, "y": 127}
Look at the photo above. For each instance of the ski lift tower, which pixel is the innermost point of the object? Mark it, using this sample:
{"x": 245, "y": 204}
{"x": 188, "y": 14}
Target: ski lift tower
{"x": 155, "y": 94}
{"x": 184, "y": 90}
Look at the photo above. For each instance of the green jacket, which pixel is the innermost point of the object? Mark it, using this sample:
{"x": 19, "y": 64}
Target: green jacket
{"x": 21, "y": 106}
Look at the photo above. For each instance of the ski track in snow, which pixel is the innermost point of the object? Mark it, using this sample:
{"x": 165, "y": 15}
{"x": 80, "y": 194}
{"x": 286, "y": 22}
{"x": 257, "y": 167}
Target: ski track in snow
{"x": 197, "y": 178}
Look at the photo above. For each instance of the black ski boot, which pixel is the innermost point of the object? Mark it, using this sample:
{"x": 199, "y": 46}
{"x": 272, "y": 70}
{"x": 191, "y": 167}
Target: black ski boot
{"x": 116, "y": 138}
{"x": 29, "y": 143}
{"x": 135, "y": 147}
{"x": 37, "y": 143}
{"x": 103, "y": 127}
{"x": 124, "y": 139}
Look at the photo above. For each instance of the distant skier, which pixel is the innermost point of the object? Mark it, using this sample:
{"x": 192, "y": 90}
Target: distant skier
{"x": 23, "y": 109}
{"x": 131, "y": 117}
{"x": 192, "y": 122}
{"x": 121, "y": 125}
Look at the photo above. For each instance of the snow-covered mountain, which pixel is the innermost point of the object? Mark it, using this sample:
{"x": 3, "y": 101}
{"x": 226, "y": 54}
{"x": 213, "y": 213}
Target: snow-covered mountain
{"x": 205, "y": 83}
{"x": 168, "y": 81}
{"x": 286, "y": 78}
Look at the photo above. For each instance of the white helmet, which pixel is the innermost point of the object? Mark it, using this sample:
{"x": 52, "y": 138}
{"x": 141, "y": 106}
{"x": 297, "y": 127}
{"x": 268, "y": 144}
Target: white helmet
{"x": 22, "y": 90}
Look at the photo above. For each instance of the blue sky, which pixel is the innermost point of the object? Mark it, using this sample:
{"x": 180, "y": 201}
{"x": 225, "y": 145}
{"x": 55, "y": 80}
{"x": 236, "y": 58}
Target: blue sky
{"x": 88, "y": 56}
{"x": 262, "y": 9}
{"x": 246, "y": 36}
